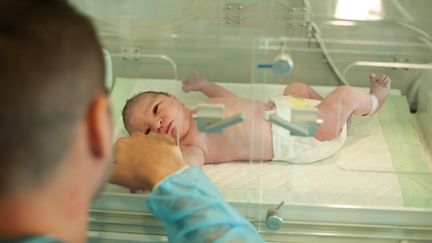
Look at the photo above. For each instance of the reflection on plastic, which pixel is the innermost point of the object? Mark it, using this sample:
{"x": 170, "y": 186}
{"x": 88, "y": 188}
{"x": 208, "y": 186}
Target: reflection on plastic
{"x": 210, "y": 118}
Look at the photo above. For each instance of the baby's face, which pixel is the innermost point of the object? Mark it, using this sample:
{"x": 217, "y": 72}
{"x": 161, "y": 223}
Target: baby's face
{"x": 158, "y": 113}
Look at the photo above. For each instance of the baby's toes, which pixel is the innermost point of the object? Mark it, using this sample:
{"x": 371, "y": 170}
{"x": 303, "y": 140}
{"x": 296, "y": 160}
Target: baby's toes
{"x": 383, "y": 80}
{"x": 372, "y": 77}
{"x": 387, "y": 81}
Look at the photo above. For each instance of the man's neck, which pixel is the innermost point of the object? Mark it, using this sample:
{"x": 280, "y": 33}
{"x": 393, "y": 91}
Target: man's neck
{"x": 57, "y": 215}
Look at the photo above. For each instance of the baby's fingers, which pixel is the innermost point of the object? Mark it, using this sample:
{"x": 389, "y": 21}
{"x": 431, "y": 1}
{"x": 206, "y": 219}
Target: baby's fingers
{"x": 195, "y": 74}
{"x": 186, "y": 86}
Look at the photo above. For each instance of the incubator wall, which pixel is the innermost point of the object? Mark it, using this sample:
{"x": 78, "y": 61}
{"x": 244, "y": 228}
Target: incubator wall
{"x": 377, "y": 186}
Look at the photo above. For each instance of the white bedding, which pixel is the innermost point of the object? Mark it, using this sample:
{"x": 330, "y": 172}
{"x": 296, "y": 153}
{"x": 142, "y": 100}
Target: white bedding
{"x": 356, "y": 175}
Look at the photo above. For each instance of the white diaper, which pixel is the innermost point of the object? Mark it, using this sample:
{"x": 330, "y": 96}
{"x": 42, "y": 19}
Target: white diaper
{"x": 296, "y": 149}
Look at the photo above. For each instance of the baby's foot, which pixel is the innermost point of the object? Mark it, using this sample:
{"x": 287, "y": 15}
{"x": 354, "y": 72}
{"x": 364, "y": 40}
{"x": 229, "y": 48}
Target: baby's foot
{"x": 379, "y": 88}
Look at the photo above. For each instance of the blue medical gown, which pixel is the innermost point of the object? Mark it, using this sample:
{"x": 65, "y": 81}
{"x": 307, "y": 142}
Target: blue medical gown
{"x": 194, "y": 211}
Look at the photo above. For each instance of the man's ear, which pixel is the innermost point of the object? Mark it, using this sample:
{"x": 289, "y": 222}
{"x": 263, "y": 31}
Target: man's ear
{"x": 99, "y": 128}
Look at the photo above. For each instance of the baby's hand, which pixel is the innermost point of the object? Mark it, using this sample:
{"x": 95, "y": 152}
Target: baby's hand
{"x": 194, "y": 85}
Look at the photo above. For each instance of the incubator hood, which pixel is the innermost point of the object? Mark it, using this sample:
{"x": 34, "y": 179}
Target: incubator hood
{"x": 376, "y": 187}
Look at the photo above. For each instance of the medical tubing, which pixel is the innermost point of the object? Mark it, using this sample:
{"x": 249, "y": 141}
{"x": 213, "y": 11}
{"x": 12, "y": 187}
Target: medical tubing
{"x": 402, "y": 10}
{"x": 327, "y": 55}
{"x": 427, "y": 42}
{"x": 321, "y": 43}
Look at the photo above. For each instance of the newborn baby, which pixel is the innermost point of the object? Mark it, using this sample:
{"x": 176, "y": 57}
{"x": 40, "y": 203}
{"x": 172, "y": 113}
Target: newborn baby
{"x": 163, "y": 113}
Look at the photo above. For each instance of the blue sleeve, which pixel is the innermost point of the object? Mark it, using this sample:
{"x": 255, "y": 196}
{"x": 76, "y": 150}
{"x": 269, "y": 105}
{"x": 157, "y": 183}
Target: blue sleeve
{"x": 30, "y": 239}
{"x": 194, "y": 211}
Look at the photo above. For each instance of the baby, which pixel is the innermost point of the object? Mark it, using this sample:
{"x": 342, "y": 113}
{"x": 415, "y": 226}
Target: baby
{"x": 163, "y": 113}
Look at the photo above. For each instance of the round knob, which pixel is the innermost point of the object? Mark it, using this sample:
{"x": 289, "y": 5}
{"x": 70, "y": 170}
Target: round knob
{"x": 283, "y": 64}
{"x": 273, "y": 220}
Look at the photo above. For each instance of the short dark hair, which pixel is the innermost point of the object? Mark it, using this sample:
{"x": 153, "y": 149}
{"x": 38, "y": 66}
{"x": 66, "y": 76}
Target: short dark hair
{"x": 131, "y": 102}
{"x": 51, "y": 69}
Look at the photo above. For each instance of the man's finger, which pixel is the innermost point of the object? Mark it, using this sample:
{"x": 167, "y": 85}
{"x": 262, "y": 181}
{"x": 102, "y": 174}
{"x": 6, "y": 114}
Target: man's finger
{"x": 162, "y": 138}
{"x": 137, "y": 134}
{"x": 115, "y": 174}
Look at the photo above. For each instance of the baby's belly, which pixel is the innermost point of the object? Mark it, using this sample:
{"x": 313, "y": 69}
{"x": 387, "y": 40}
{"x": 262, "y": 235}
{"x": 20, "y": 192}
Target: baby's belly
{"x": 240, "y": 143}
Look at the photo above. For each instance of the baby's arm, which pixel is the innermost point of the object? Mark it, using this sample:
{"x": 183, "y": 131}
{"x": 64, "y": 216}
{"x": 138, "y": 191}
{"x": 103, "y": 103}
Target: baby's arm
{"x": 206, "y": 87}
{"x": 193, "y": 155}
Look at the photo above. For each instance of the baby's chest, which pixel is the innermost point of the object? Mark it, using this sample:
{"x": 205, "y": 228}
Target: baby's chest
{"x": 230, "y": 138}
{"x": 195, "y": 138}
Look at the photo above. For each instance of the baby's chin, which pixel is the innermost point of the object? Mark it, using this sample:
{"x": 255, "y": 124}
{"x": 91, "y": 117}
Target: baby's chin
{"x": 173, "y": 133}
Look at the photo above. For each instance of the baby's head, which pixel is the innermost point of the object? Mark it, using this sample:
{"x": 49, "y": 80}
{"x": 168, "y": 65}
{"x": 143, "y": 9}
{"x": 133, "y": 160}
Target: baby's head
{"x": 158, "y": 112}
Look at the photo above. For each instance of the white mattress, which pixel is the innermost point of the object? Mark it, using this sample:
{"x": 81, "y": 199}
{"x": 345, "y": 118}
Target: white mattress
{"x": 359, "y": 174}
{"x": 356, "y": 175}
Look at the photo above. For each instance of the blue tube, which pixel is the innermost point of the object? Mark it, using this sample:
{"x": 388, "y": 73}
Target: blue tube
{"x": 265, "y": 65}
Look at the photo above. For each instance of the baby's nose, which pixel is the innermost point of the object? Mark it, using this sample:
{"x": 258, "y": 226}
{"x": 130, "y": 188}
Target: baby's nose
{"x": 159, "y": 126}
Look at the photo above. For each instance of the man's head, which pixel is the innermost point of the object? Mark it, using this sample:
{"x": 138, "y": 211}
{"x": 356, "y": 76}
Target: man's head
{"x": 52, "y": 96}
{"x": 156, "y": 112}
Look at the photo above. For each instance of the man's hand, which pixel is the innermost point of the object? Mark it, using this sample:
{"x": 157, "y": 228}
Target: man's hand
{"x": 141, "y": 161}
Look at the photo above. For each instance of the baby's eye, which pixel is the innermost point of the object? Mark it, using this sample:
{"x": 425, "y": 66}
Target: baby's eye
{"x": 147, "y": 131}
{"x": 155, "y": 109}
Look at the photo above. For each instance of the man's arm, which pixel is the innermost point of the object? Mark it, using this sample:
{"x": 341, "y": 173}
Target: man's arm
{"x": 194, "y": 211}
{"x": 185, "y": 199}
{"x": 209, "y": 89}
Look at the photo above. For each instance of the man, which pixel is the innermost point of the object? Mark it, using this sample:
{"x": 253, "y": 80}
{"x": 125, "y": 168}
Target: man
{"x": 55, "y": 136}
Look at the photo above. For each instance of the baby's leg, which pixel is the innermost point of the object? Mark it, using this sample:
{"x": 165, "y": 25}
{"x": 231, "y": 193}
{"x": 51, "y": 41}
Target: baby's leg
{"x": 297, "y": 89}
{"x": 346, "y": 100}
{"x": 379, "y": 88}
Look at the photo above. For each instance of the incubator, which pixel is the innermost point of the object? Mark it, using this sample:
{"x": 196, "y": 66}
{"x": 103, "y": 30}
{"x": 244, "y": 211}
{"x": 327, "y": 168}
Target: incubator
{"x": 376, "y": 187}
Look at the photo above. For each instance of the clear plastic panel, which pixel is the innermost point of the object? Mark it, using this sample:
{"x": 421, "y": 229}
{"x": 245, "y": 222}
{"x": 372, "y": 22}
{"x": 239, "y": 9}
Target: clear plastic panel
{"x": 255, "y": 49}
{"x": 382, "y": 161}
